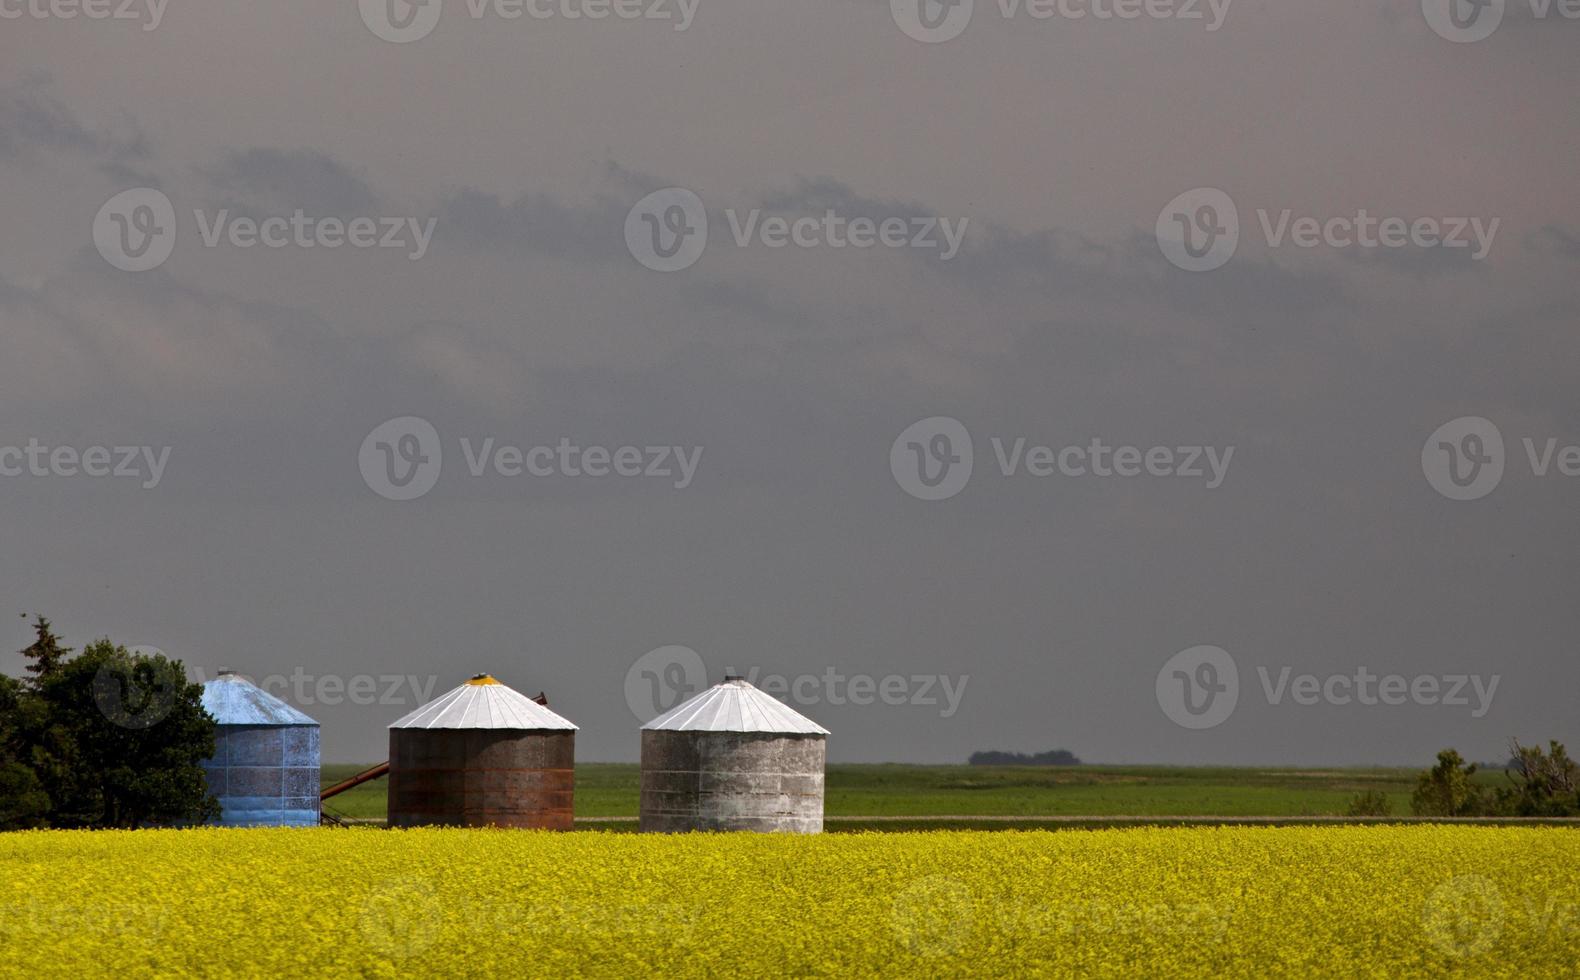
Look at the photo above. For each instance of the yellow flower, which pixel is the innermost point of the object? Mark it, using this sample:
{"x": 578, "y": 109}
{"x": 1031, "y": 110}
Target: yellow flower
{"x": 1236, "y": 902}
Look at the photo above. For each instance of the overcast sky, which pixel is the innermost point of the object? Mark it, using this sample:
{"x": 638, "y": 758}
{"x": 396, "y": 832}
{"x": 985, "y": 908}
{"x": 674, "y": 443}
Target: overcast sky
{"x": 1047, "y": 606}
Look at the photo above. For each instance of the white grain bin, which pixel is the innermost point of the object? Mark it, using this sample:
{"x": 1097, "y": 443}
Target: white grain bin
{"x": 733, "y": 758}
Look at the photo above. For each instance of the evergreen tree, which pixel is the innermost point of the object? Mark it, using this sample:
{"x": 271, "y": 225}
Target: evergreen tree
{"x": 46, "y": 653}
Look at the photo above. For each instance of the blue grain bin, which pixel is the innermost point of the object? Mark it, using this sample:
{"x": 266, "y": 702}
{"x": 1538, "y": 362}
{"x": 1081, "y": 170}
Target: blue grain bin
{"x": 265, "y": 764}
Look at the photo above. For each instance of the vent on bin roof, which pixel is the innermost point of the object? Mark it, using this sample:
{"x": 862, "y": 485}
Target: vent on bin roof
{"x": 483, "y": 702}
{"x": 735, "y": 706}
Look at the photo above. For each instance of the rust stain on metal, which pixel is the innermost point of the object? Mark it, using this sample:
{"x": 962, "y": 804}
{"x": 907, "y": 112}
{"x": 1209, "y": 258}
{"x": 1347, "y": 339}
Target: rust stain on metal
{"x": 482, "y": 777}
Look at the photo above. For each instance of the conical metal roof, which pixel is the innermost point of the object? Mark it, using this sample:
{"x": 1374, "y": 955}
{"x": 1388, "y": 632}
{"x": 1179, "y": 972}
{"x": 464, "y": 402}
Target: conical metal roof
{"x": 735, "y": 706}
{"x": 483, "y": 702}
{"x": 234, "y": 700}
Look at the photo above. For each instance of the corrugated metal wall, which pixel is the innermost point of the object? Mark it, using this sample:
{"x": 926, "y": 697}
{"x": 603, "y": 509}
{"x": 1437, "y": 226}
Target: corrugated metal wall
{"x": 759, "y": 781}
{"x": 265, "y": 775}
{"x": 479, "y": 777}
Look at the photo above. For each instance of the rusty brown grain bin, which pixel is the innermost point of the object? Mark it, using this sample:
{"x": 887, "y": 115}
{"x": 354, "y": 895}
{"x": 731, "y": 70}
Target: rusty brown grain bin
{"x": 482, "y": 755}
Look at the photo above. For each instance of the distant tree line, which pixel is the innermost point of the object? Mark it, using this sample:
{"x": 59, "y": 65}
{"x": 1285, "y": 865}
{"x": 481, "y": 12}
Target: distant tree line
{"x": 105, "y": 738}
{"x": 1539, "y": 784}
{"x": 1057, "y": 757}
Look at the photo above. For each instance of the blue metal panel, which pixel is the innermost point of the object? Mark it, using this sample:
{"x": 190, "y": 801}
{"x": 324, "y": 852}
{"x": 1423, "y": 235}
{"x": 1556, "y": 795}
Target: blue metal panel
{"x": 255, "y": 746}
{"x": 265, "y": 775}
{"x": 299, "y": 747}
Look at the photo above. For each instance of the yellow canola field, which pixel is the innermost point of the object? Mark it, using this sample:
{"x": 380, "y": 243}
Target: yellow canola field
{"x": 1207, "y": 902}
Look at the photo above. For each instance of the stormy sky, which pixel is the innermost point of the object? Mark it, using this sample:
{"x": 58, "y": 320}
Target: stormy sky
{"x": 1048, "y": 606}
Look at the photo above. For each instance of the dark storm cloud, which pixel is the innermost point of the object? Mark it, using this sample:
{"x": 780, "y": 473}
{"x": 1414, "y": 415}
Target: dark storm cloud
{"x": 1419, "y": 263}
{"x": 304, "y": 178}
{"x": 748, "y": 300}
{"x": 795, "y": 549}
{"x": 814, "y": 195}
{"x": 165, "y": 343}
{"x": 33, "y": 119}
{"x": 537, "y": 223}
{"x": 1057, "y": 263}
{"x": 1555, "y": 241}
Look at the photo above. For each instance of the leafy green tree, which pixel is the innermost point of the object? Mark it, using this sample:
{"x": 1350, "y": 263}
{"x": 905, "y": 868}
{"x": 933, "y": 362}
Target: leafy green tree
{"x": 1448, "y": 789}
{"x": 1545, "y": 784}
{"x": 1372, "y": 803}
{"x": 1541, "y": 784}
{"x": 23, "y": 802}
{"x": 115, "y": 738}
